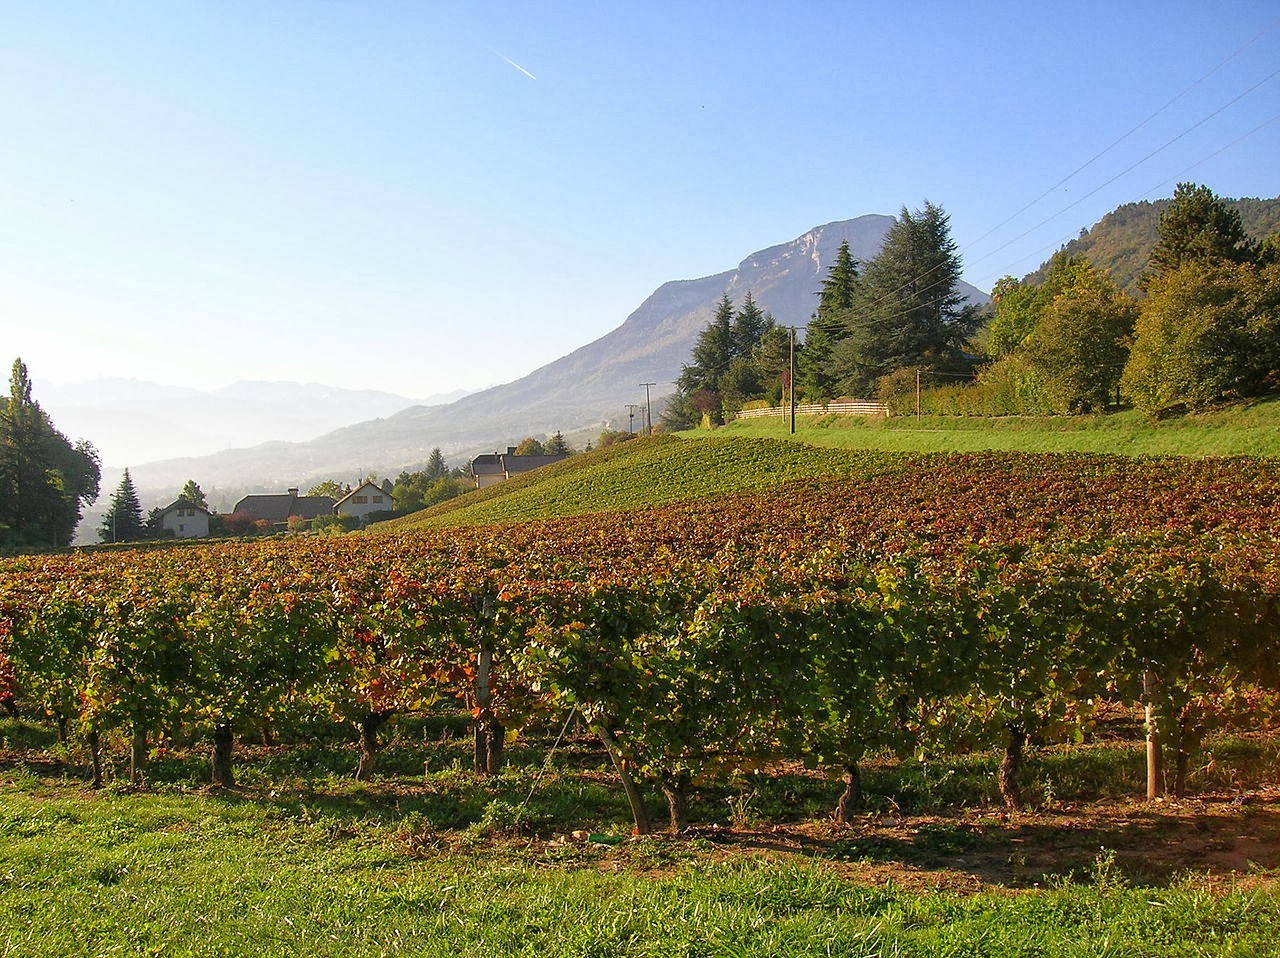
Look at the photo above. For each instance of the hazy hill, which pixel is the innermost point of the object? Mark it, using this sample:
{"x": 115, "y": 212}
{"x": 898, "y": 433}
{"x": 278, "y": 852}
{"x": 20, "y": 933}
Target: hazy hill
{"x": 585, "y": 390}
{"x": 133, "y": 422}
{"x": 1121, "y": 242}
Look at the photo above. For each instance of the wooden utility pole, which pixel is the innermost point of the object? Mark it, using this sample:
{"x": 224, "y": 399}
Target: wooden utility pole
{"x": 791, "y": 373}
{"x": 648, "y": 406}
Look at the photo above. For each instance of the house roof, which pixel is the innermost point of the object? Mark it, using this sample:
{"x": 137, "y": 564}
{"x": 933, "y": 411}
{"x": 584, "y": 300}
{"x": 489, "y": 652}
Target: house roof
{"x": 308, "y": 507}
{"x": 508, "y": 464}
{"x": 183, "y": 504}
{"x": 372, "y": 486}
{"x": 525, "y": 463}
{"x": 279, "y": 507}
{"x": 490, "y": 464}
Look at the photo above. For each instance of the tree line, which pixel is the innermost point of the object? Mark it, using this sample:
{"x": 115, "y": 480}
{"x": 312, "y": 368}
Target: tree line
{"x": 1204, "y": 327}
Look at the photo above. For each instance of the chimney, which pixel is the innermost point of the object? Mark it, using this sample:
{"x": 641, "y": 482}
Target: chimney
{"x": 294, "y": 493}
{"x": 511, "y": 450}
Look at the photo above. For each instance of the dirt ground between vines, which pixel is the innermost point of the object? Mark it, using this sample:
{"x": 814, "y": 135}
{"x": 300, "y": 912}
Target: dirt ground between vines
{"x": 1213, "y": 840}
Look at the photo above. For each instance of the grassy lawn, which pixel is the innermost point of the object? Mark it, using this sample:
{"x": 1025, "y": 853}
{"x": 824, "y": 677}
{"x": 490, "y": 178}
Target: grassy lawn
{"x": 436, "y": 861}
{"x": 1246, "y": 430}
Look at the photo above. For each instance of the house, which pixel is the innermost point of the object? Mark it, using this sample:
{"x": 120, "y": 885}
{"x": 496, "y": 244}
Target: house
{"x": 492, "y": 468}
{"x": 280, "y": 507}
{"x": 365, "y": 499}
{"x": 185, "y": 520}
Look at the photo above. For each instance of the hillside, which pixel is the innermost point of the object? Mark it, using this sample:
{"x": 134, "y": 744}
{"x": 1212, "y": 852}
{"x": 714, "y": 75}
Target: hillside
{"x": 646, "y": 472}
{"x": 585, "y": 390}
{"x": 757, "y": 454}
{"x": 1121, "y": 242}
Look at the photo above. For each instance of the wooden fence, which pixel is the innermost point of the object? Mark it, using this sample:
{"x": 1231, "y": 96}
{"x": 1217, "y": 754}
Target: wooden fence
{"x": 827, "y": 409}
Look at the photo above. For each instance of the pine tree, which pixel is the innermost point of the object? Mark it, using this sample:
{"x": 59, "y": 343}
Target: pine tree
{"x": 436, "y": 468}
{"x": 909, "y": 311}
{"x": 711, "y": 353}
{"x": 749, "y": 325}
{"x": 123, "y": 521}
{"x": 1198, "y": 227}
{"x": 840, "y": 288}
{"x": 556, "y": 445}
{"x": 834, "y": 320}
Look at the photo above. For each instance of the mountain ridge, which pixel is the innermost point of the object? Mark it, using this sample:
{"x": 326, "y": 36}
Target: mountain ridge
{"x": 586, "y": 390}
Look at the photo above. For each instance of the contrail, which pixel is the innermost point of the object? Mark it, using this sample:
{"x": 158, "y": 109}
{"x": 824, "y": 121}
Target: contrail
{"x": 517, "y": 66}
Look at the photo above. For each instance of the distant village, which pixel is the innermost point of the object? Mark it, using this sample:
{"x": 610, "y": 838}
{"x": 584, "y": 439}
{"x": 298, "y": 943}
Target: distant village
{"x": 356, "y": 507}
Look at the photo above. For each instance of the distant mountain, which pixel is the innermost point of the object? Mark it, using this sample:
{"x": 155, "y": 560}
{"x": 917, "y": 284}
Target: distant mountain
{"x": 1121, "y": 242}
{"x": 133, "y": 422}
{"x": 584, "y": 391}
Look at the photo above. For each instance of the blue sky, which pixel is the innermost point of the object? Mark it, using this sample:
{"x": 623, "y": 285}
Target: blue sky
{"x": 420, "y": 197}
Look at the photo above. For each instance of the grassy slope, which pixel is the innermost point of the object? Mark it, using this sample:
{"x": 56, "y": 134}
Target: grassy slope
{"x": 1252, "y": 430}
{"x": 751, "y": 455}
{"x": 645, "y": 472}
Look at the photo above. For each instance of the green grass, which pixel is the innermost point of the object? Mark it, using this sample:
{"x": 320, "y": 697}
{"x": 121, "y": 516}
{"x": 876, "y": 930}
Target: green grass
{"x": 1251, "y": 429}
{"x": 751, "y": 455}
{"x": 203, "y": 875}
{"x": 438, "y": 861}
{"x": 645, "y": 472}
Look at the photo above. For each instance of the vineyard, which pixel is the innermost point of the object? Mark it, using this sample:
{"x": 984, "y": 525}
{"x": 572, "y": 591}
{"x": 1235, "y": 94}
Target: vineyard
{"x": 922, "y": 606}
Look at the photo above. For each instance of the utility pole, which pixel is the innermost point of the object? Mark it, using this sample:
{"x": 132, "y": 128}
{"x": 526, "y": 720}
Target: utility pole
{"x": 631, "y": 417}
{"x": 791, "y": 374}
{"x": 917, "y": 394}
{"x": 648, "y": 405}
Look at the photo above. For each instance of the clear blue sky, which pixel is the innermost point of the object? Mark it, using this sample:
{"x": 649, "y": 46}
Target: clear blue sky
{"x": 419, "y": 197}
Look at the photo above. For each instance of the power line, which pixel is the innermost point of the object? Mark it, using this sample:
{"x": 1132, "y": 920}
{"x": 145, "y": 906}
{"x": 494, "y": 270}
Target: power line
{"x": 1124, "y": 136}
{"x": 916, "y": 279}
{"x": 1129, "y": 169}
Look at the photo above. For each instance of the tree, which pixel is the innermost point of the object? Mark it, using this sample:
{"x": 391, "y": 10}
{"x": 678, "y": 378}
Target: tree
{"x": 908, "y": 311}
{"x": 1019, "y": 306}
{"x": 436, "y": 468}
{"x": 530, "y": 447}
{"x": 123, "y": 521}
{"x": 773, "y": 360}
{"x": 45, "y": 481}
{"x": 830, "y": 323}
{"x": 840, "y": 288}
{"x": 1198, "y": 226}
{"x": 556, "y": 445}
{"x": 1206, "y": 331}
{"x": 749, "y": 324}
{"x": 711, "y": 353}
{"x": 330, "y": 487}
{"x": 1079, "y": 346}
{"x": 193, "y": 494}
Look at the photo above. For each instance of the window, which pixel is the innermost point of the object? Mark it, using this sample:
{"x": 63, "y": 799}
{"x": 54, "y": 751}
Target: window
{"x": 377, "y": 498}
{"x": 360, "y": 500}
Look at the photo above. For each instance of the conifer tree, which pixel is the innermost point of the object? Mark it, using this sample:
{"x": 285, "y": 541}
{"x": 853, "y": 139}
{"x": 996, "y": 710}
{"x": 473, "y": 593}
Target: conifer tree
{"x": 711, "y": 353}
{"x": 44, "y": 479}
{"x": 749, "y": 325}
{"x": 123, "y": 521}
{"x": 909, "y": 311}
{"x": 436, "y": 468}
{"x": 1198, "y": 227}
{"x": 840, "y": 288}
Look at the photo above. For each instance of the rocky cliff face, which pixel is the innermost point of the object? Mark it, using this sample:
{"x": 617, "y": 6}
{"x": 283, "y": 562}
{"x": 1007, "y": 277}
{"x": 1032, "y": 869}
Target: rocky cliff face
{"x": 587, "y": 389}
